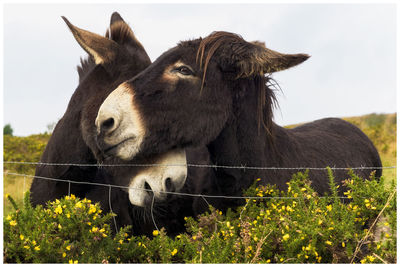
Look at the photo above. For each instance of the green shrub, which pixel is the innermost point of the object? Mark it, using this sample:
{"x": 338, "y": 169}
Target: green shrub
{"x": 8, "y": 130}
{"x": 295, "y": 226}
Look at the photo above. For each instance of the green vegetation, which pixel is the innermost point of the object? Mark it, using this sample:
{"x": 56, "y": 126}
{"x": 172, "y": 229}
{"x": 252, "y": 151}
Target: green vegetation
{"x": 307, "y": 229}
{"x": 296, "y": 226}
{"x": 381, "y": 129}
{"x": 20, "y": 149}
{"x": 7, "y": 130}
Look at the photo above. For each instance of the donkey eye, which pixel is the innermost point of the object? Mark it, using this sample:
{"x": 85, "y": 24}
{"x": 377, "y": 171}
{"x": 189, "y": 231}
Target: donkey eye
{"x": 184, "y": 70}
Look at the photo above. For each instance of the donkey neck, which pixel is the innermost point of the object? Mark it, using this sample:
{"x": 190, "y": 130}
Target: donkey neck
{"x": 241, "y": 142}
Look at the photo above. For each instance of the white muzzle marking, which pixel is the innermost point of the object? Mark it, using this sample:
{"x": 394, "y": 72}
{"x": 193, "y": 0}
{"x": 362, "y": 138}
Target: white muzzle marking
{"x": 127, "y": 129}
{"x": 173, "y": 166}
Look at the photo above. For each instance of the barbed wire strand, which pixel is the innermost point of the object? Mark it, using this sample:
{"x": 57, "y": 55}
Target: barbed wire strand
{"x": 197, "y": 166}
{"x": 162, "y": 192}
{"x": 152, "y": 214}
{"x": 205, "y": 200}
{"x": 111, "y": 210}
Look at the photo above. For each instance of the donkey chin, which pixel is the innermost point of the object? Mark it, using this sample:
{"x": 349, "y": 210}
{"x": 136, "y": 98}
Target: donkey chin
{"x": 166, "y": 175}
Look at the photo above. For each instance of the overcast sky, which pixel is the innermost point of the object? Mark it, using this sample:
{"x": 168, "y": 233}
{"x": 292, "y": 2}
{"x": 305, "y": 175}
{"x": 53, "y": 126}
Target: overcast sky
{"x": 352, "y": 69}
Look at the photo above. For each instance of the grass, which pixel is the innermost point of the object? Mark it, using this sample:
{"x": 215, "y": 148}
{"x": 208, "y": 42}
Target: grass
{"x": 15, "y": 186}
{"x": 381, "y": 128}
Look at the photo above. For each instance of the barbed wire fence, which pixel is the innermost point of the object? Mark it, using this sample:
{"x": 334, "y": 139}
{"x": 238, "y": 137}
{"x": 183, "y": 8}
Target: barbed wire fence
{"x": 110, "y": 186}
{"x": 197, "y": 166}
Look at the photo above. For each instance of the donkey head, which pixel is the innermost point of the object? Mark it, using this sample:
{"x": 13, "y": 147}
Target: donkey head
{"x": 188, "y": 95}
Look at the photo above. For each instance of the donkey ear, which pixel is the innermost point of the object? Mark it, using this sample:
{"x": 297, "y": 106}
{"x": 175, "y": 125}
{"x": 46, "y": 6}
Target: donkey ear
{"x": 254, "y": 58}
{"x": 115, "y": 17}
{"x": 102, "y": 49}
{"x": 121, "y": 33}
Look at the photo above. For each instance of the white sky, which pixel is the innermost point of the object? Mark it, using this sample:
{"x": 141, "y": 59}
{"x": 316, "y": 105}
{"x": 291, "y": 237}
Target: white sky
{"x": 352, "y": 70}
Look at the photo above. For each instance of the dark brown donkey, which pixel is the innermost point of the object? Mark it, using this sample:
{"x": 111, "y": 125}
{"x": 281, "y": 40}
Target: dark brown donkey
{"x": 215, "y": 92}
{"x": 113, "y": 59}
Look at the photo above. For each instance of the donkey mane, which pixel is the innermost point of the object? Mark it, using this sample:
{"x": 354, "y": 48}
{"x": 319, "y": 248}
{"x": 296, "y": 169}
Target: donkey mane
{"x": 87, "y": 64}
{"x": 265, "y": 85}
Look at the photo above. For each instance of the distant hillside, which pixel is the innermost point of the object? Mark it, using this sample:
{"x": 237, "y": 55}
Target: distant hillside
{"x": 381, "y": 129}
{"x": 23, "y": 149}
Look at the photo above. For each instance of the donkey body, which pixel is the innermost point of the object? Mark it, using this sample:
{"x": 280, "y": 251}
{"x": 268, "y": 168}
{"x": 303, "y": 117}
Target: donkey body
{"x": 214, "y": 92}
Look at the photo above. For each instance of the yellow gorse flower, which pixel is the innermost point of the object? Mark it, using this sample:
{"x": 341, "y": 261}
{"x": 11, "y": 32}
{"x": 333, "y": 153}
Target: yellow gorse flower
{"x": 13, "y": 223}
{"x": 58, "y": 210}
{"x": 155, "y": 233}
{"x": 174, "y": 252}
{"x": 92, "y": 209}
{"x": 370, "y": 258}
{"x": 286, "y": 237}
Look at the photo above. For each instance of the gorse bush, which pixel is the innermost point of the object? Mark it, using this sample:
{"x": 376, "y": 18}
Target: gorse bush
{"x": 292, "y": 226}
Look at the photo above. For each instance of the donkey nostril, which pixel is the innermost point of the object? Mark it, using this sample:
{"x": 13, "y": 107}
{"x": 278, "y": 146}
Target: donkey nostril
{"x": 169, "y": 186}
{"x": 107, "y": 124}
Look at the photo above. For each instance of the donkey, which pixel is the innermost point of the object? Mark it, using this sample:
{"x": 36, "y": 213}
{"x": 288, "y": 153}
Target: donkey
{"x": 217, "y": 92}
{"x": 113, "y": 59}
